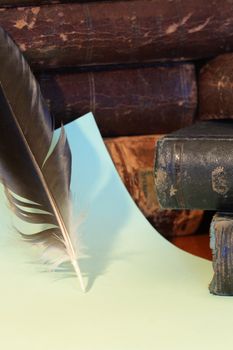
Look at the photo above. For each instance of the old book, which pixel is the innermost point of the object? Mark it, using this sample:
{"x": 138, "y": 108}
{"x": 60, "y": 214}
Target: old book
{"x": 221, "y": 243}
{"x": 127, "y": 101}
{"x": 134, "y": 158}
{"x": 17, "y": 3}
{"x": 193, "y": 168}
{"x": 14, "y": 3}
{"x": 215, "y": 89}
{"x": 120, "y": 32}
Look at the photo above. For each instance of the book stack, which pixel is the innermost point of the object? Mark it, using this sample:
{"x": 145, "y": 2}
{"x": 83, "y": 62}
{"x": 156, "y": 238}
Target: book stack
{"x": 133, "y": 64}
{"x": 198, "y": 171}
{"x": 108, "y": 58}
{"x": 216, "y": 103}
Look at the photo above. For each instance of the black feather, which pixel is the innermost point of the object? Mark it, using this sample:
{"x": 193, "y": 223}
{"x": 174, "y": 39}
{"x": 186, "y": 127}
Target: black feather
{"x": 26, "y": 170}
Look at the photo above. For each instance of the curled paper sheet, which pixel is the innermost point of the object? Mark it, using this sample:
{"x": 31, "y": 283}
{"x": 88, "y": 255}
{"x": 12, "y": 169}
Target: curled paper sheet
{"x": 142, "y": 292}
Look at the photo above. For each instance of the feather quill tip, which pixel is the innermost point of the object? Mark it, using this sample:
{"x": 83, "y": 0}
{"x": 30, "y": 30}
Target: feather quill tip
{"x": 79, "y": 275}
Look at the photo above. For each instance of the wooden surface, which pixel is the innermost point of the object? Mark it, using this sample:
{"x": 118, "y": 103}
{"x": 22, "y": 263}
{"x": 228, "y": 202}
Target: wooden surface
{"x": 134, "y": 160}
{"x": 127, "y": 101}
{"x": 120, "y": 32}
{"x": 216, "y": 88}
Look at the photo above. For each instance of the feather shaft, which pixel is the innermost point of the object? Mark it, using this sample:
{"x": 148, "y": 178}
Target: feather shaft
{"x": 78, "y": 273}
{"x": 27, "y": 169}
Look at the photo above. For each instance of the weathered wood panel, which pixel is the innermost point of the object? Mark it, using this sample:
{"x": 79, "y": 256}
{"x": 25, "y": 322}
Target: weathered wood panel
{"x": 134, "y": 160}
{"x": 125, "y": 102}
{"x": 120, "y": 32}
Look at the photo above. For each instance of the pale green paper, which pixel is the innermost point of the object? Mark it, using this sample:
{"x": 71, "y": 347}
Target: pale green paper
{"x": 143, "y": 293}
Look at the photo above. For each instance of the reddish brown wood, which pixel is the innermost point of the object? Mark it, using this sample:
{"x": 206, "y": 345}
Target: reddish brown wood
{"x": 216, "y": 88}
{"x": 125, "y": 102}
{"x": 134, "y": 160}
{"x": 121, "y": 31}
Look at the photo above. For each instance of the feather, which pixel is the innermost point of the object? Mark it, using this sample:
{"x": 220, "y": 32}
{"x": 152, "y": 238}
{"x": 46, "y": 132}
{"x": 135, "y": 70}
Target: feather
{"x": 36, "y": 179}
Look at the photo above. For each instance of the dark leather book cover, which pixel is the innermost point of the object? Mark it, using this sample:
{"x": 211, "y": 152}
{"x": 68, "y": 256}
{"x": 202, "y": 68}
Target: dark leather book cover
{"x": 125, "y": 101}
{"x": 194, "y": 167}
{"x": 133, "y": 158}
{"x": 221, "y": 243}
{"x": 215, "y": 83}
{"x": 112, "y": 32}
{"x": 19, "y": 3}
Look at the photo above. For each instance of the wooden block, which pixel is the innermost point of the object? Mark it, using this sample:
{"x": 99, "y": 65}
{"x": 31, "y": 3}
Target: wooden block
{"x": 216, "y": 89}
{"x": 101, "y": 33}
{"x": 134, "y": 159}
{"x": 125, "y": 102}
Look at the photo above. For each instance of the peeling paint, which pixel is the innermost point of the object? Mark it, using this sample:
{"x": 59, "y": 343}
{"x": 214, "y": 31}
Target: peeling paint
{"x": 220, "y": 84}
{"x": 35, "y": 10}
{"x": 186, "y": 18}
{"x": 32, "y": 23}
{"x": 173, "y": 27}
{"x": 63, "y": 37}
{"x": 22, "y": 47}
{"x": 200, "y": 27}
{"x": 20, "y": 24}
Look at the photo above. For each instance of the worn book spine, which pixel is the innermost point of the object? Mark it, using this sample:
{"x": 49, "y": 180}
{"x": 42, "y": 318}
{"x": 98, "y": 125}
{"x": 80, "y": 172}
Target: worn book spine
{"x": 133, "y": 157}
{"x": 195, "y": 173}
{"x": 100, "y": 33}
{"x": 215, "y": 89}
{"x": 18, "y": 3}
{"x": 221, "y": 243}
{"x": 127, "y": 101}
